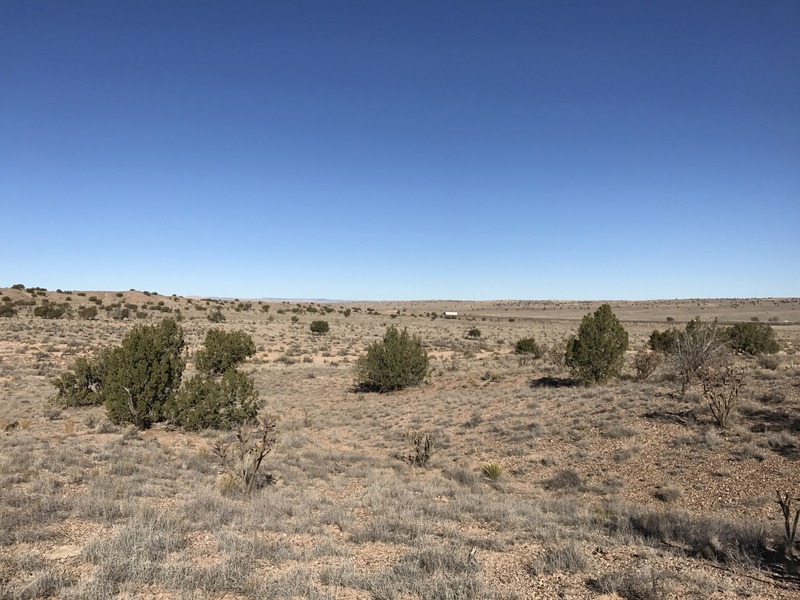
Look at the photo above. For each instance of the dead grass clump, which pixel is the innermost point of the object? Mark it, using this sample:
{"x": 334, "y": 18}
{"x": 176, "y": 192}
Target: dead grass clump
{"x": 669, "y": 493}
{"x": 642, "y": 584}
{"x": 565, "y": 479}
{"x": 713, "y": 538}
{"x": 568, "y": 558}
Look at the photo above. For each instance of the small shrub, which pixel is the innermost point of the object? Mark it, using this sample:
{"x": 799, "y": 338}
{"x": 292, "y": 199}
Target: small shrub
{"x": 557, "y": 354}
{"x": 721, "y": 390}
{"x": 566, "y": 479}
{"x": 241, "y": 458}
{"x": 491, "y": 376}
{"x": 216, "y": 316}
{"x": 752, "y": 338}
{"x": 646, "y": 362}
{"x": 82, "y": 385}
{"x": 698, "y": 346}
{"x": 663, "y": 341}
{"x": 120, "y": 314}
{"x": 769, "y": 362}
{"x": 50, "y": 311}
{"x": 562, "y": 559}
{"x": 319, "y": 327}
{"x": 87, "y": 312}
{"x": 422, "y": 446}
{"x": 7, "y": 310}
{"x": 790, "y": 520}
{"x": 396, "y": 362}
{"x": 669, "y": 493}
{"x": 223, "y": 351}
{"x": 474, "y": 333}
{"x": 597, "y": 353}
{"x": 529, "y": 346}
{"x": 647, "y": 584}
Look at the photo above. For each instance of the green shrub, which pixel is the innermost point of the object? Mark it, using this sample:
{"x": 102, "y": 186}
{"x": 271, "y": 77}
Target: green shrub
{"x": 144, "y": 373}
{"x": 663, "y": 341}
{"x": 597, "y": 353}
{"x": 216, "y": 316}
{"x": 7, "y": 310}
{"x": 50, "y": 311}
{"x": 752, "y": 338}
{"x": 398, "y": 361}
{"x": 474, "y": 333}
{"x": 220, "y": 403}
{"x": 319, "y": 327}
{"x": 529, "y": 346}
{"x": 87, "y": 312}
{"x": 83, "y": 385}
{"x": 223, "y": 351}
{"x": 18, "y": 286}
{"x": 120, "y": 314}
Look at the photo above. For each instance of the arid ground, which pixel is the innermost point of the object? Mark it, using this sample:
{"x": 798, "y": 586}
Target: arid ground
{"x": 626, "y": 489}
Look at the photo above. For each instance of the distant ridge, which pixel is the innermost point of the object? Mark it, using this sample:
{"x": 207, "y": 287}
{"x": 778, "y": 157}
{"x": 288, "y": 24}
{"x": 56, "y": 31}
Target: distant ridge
{"x": 230, "y": 298}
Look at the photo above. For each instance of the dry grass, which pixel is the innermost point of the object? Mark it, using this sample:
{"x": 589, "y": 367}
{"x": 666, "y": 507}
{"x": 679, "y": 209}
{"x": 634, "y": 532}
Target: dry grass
{"x": 626, "y": 488}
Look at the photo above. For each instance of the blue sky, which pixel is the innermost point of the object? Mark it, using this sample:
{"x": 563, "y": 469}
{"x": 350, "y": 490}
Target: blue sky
{"x": 402, "y": 150}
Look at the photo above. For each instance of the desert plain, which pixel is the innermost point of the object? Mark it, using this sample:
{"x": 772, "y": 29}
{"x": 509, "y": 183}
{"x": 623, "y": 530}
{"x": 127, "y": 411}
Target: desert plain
{"x": 537, "y": 487}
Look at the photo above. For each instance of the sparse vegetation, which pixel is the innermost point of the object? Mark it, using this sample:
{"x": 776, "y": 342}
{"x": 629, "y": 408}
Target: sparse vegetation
{"x": 624, "y": 487}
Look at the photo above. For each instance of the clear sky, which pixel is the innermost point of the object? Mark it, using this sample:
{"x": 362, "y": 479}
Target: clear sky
{"x": 402, "y": 150}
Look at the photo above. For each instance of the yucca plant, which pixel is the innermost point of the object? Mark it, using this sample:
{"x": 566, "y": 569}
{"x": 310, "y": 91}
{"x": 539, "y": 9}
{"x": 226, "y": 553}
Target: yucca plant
{"x": 492, "y": 471}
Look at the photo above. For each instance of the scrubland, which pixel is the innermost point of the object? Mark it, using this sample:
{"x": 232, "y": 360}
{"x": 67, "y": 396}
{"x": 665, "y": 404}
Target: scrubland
{"x": 536, "y": 487}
